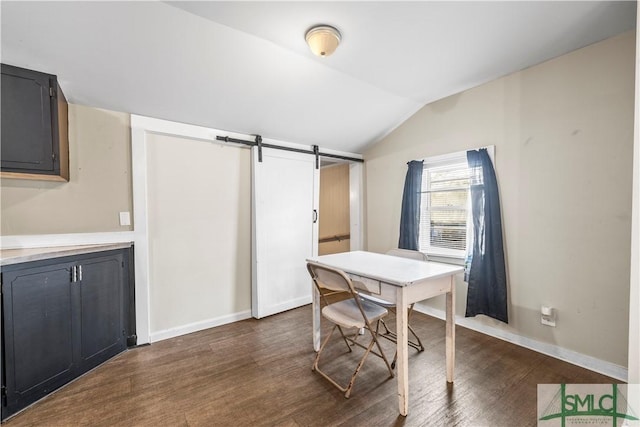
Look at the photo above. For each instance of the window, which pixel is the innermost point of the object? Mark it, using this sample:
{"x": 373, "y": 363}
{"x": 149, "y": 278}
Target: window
{"x": 445, "y": 211}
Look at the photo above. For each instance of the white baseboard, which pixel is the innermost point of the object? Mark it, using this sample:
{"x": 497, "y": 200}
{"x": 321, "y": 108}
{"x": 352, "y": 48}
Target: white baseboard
{"x": 198, "y": 326}
{"x": 72, "y": 239}
{"x": 283, "y": 306}
{"x": 601, "y": 366}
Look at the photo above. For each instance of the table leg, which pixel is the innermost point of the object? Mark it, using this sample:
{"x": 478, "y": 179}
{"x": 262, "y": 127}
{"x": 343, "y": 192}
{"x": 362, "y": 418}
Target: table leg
{"x": 450, "y": 339}
{"x": 315, "y": 309}
{"x": 402, "y": 364}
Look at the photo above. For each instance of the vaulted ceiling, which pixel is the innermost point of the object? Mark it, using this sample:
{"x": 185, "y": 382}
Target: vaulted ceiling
{"x": 245, "y": 67}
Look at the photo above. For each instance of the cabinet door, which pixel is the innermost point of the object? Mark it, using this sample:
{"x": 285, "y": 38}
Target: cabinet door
{"x": 28, "y": 139}
{"x": 102, "y": 334}
{"x": 38, "y": 324}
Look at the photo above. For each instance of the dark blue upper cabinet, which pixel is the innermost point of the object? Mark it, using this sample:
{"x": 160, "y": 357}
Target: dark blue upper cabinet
{"x": 34, "y": 126}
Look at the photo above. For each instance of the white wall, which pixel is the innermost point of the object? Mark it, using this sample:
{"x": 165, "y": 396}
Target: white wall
{"x": 199, "y": 208}
{"x": 563, "y": 132}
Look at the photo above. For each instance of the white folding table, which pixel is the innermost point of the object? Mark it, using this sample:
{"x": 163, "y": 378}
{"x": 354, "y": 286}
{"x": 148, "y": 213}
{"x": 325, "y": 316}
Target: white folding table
{"x": 402, "y": 281}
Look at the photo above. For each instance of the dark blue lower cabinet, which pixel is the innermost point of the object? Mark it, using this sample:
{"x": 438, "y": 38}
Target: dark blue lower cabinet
{"x": 61, "y": 318}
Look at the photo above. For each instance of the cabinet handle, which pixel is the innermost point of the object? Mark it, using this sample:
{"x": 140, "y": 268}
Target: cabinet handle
{"x": 76, "y": 273}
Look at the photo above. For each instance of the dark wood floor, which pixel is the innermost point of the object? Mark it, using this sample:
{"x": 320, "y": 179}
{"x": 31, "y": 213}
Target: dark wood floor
{"x": 258, "y": 373}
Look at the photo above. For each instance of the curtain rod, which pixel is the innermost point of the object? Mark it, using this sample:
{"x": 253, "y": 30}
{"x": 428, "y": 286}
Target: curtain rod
{"x": 315, "y": 149}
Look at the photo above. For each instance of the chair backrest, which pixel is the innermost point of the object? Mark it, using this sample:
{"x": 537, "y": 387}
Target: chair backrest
{"x": 407, "y": 253}
{"x": 331, "y": 279}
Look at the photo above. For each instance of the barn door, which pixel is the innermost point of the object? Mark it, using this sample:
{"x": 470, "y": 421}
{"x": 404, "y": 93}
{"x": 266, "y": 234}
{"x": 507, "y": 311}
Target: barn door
{"x": 285, "y": 229}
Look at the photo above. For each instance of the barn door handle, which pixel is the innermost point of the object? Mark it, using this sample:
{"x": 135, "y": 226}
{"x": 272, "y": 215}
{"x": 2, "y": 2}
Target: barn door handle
{"x": 315, "y": 216}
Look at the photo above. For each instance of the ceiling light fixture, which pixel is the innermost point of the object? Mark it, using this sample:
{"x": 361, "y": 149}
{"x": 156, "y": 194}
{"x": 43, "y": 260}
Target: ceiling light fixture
{"x": 323, "y": 40}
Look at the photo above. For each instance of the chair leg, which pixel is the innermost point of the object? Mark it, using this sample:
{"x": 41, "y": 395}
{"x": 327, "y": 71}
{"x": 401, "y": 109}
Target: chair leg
{"x": 417, "y": 344}
{"x": 344, "y": 337}
{"x": 374, "y": 337}
{"x": 353, "y": 339}
{"x": 419, "y": 347}
{"x": 386, "y": 328}
{"x": 353, "y": 377}
{"x": 326, "y": 340}
{"x": 392, "y": 336}
{"x": 368, "y": 349}
{"x": 374, "y": 341}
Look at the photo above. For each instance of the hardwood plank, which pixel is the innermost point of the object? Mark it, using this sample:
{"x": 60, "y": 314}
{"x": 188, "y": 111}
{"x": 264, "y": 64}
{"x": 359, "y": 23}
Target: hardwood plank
{"x": 258, "y": 373}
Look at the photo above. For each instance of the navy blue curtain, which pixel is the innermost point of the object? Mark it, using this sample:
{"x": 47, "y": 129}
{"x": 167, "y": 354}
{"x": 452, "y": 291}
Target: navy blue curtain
{"x": 410, "y": 215}
{"x": 487, "y": 277}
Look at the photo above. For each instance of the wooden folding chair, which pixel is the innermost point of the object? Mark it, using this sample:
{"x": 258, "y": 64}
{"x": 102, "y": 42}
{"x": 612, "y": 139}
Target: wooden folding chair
{"x": 350, "y": 313}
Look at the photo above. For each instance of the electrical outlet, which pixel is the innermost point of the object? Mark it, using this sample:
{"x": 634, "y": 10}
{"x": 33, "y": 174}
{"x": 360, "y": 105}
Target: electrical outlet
{"x": 548, "y": 321}
{"x": 548, "y": 316}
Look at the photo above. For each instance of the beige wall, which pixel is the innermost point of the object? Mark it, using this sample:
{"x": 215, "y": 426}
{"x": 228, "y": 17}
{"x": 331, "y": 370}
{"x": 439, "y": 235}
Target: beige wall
{"x": 634, "y": 294}
{"x": 334, "y": 208}
{"x": 563, "y": 132}
{"x": 98, "y": 189}
{"x": 199, "y": 216}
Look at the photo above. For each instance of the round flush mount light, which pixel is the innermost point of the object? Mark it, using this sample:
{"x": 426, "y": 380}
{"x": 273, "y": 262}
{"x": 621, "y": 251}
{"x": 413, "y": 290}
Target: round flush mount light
{"x": 323, "y": 40}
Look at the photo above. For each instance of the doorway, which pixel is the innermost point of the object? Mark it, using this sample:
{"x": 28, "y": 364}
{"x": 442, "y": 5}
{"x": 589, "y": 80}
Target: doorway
{"x": 334, "y": 223}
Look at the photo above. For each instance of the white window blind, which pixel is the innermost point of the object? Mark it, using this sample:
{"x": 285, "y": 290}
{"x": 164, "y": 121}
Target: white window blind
{"x": 445, "y": 217}
{"x": 445, "y": 205}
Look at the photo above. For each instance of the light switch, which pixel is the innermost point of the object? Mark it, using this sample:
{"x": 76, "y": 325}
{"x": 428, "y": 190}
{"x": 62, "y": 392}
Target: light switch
{"x": 125, "y": 218}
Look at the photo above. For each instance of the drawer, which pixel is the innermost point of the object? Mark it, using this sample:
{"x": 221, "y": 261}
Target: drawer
{"x": 365, "y": 283}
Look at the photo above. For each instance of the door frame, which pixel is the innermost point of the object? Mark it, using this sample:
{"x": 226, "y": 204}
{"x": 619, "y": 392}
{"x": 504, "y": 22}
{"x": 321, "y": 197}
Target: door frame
{"x": 141, "y": 126}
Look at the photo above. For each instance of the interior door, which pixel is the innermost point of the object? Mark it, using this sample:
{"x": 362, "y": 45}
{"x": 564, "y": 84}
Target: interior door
{"x": 285, "y": 229}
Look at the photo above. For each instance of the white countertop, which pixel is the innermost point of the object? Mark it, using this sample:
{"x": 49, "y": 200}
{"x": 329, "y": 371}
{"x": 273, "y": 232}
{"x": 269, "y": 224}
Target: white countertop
{"x": 16, "y": 256}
